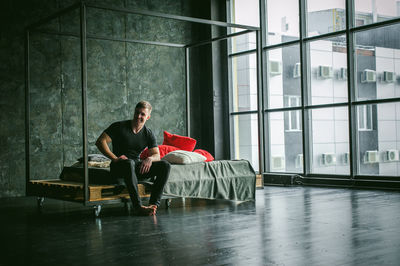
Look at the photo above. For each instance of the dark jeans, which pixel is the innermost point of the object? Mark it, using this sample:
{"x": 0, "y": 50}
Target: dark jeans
{"x": 128, "y": 170}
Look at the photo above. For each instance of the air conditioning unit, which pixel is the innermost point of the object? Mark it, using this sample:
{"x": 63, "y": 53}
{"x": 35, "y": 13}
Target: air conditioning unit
{"x": 277, "y": 162}
{"x": 325, "y": 72}
{"x": 346, "y": 158}
{"x": 388, "y": 77}
{"x": 371, "y": 157}
{"x": 275, "y": 67}
{"x": 391, "y": 155}
{"x": 297, "y": 70}
{"x": 299, "y": 161}
{"x": 368, "y": 75}
{"x": 328, "y": 159}
{"x": 342, "y": 74}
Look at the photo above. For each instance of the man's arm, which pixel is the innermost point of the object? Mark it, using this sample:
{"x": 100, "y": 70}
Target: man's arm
{"x": 154, "y": 156}
{"x": 102, "y": 145}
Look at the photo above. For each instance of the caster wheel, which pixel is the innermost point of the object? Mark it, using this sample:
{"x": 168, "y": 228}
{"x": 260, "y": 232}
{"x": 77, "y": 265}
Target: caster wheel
{"x": 97, "y": 210}
{"x": 40, "y": 201}
{"x": 168, "y": 203}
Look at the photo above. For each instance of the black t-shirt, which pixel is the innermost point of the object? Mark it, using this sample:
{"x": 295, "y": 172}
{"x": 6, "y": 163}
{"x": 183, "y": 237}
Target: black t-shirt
{"x": 125, "y": 142}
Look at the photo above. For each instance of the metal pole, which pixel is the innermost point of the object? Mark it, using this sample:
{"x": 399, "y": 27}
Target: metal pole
{"x": 187, "y": 76}
{"x": 264, "y": 123}
{"x": 260, "y": 104}
{"x": 84, "y": 99}
{"x": 220, "y": 38}
{"x": 95, "y": 37}
{"x": 27, "y": 114}
{"x": 230, "y": 86}
{"x": 175, "y": 17}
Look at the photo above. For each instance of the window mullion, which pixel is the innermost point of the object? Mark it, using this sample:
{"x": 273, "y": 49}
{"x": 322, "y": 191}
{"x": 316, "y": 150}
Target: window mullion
{"x": 304, "y": 90}
{"x": 352, "y": 114}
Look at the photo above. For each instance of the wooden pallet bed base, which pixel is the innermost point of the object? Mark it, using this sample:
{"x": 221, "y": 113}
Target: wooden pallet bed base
{"x": 74, "y": 191}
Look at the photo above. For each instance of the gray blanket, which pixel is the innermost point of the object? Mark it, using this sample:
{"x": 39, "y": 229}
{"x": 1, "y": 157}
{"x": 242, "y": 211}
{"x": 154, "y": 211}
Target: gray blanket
{"x": 225, "y": 179}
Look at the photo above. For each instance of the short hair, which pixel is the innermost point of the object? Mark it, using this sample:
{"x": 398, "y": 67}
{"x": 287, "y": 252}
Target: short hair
{"x": 143, "y": 104}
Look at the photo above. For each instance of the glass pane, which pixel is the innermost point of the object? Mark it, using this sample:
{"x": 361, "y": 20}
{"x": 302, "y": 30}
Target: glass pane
{"x": 378, "y": 148}
{"x": 286, "y": 146}
{"x": 283, "y": 71}
{"x": 378, "y": 63}
{"x": 371, "y": 11}
{"x": 328, "y": 70}
{"x": 325, "y": 16}
{"x": 245, "y": 138}
{"x": 244, "y": 83}
{"x": 282, "y": 22}
{"x": 330, "y": 141}
{"x": 243, "y": 43}
{"x": 245, "y": 12}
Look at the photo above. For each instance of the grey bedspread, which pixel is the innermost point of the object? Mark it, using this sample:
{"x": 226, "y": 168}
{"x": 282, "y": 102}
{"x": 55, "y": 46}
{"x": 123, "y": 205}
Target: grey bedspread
{"x": 224, "y": 179}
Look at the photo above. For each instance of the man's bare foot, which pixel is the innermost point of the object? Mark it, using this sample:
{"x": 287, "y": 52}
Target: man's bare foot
{"x": 154, "y": 208}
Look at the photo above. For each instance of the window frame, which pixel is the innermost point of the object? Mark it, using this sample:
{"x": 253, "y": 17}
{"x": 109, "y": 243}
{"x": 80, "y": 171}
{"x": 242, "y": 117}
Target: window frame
{"x": 352, "y": 102}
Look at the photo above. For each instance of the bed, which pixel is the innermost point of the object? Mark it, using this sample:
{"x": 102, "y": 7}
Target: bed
{"x": 221, "y": 179}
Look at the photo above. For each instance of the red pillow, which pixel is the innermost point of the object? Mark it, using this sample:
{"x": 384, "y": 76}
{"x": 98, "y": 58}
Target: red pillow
{"x": 164, "y": 149}
{"x": 181, "y": 142}
{"x": 205, "y": 154}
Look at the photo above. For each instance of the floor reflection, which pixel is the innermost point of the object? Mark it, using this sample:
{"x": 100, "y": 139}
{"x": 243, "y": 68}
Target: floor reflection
{"x": 285, "y": 226}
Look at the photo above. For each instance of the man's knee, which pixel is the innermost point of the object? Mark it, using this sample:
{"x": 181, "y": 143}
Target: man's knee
{"x": 164, "y": 165}
{"x": 124, "y": 168}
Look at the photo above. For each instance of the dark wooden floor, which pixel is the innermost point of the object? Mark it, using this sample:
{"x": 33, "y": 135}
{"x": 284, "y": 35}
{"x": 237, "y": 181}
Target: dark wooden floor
{"x": 285, "y": 226}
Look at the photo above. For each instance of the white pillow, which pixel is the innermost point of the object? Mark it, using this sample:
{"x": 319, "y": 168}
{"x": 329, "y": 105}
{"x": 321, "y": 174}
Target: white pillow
{"x": 184, "y": 157}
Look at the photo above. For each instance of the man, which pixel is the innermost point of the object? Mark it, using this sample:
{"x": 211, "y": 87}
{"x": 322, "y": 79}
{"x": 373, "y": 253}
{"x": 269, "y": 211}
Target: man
{"x": 129, "y": 138}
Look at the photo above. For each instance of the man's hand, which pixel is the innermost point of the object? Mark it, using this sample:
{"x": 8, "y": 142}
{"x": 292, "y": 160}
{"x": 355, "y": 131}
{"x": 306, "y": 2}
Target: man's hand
{"x": 145, "y": 166}
{"x": 122, "y": 157}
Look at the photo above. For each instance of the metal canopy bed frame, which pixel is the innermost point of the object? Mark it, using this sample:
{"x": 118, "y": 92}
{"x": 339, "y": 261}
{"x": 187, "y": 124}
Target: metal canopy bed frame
{"x": 83, "y": 36}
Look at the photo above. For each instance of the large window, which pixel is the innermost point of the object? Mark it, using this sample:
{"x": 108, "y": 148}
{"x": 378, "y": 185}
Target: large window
{"x": 330, "y": 92}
